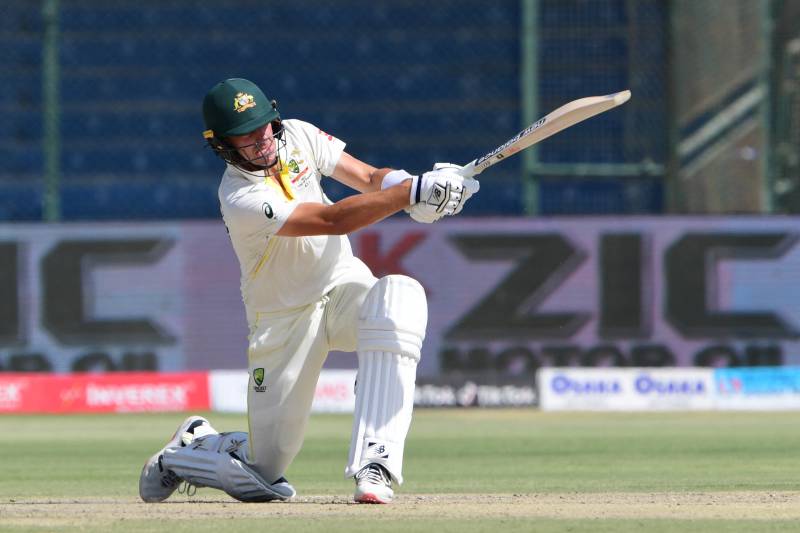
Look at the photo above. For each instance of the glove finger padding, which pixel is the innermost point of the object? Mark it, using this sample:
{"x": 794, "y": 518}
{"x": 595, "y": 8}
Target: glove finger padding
{"x": 453, "y": 196}
{"x": 441, "y": 194}
{"x": 470, "y": 187}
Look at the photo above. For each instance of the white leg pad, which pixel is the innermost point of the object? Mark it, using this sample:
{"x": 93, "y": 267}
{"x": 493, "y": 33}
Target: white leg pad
{"x": 220, "y": 462}
{"x": 391, "y": 330}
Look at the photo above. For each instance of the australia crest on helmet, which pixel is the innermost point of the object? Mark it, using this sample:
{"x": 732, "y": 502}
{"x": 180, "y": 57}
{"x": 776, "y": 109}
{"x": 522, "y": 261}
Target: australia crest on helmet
{"x": 243, "y": 102}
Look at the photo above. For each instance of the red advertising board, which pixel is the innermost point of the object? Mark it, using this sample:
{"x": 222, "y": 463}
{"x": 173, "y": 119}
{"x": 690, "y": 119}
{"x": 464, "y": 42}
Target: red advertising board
{"x": 103, "y": 393}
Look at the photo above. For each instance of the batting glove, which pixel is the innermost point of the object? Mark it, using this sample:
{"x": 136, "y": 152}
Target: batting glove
{"x": 471, "y": 185}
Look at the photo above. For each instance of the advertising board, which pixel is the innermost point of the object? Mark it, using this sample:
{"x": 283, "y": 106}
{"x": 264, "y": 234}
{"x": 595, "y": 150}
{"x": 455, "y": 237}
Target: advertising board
{"x": 757, "y": 388}
{"x": 506, "y": 295}
{"x": 626, "y": 389}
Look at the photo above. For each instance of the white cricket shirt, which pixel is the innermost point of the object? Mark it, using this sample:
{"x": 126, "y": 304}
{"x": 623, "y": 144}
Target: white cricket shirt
{"x": 281, "y": 273}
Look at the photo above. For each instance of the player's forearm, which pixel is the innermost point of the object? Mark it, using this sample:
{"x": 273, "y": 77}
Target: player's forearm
{"x": 358, "y": 175}
{"x": 371, "y": 179}
{"x": 360, "y": 210}
{"x": 347, "y": 215}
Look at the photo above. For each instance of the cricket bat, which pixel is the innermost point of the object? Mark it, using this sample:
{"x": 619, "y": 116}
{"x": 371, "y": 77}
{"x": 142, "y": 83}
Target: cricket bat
{"x": 562, "y": 118}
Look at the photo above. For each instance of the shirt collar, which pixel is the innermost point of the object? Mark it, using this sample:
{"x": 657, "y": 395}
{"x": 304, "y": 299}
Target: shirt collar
{"x": 257, "y": 176}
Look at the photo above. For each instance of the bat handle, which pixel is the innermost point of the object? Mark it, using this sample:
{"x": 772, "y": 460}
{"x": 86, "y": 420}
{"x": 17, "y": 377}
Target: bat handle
{"x": 468, "y": 170}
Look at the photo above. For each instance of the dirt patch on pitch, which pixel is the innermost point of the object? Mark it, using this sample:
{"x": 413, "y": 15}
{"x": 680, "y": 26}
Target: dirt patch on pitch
{"x": 690, "y": 505}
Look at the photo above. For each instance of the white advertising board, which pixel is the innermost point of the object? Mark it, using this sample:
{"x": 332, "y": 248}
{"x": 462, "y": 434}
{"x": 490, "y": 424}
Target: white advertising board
{"x": 334, "y": 393}
{"x": 625, "y": 389}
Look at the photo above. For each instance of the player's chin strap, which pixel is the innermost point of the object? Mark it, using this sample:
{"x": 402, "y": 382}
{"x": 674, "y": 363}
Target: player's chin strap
{"x": 231, "y": 155}
{"x": 219, "y": 461}
{"x": 390, "y": 334}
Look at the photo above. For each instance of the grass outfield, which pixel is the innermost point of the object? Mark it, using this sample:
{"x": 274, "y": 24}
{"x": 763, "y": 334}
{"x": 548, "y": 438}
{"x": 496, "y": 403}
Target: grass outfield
{"x": 466, "y": 470}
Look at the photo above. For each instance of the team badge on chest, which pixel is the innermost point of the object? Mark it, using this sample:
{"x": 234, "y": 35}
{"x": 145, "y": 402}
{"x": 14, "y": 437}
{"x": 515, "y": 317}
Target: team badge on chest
{"x": 298, "y": 171}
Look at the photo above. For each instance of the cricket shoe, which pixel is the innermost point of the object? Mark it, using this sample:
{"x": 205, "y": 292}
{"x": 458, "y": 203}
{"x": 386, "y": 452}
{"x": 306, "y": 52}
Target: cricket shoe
{"x": 284, "y": 488}
{"x": 157, "y": 483}
{"x": 373, "y": 485}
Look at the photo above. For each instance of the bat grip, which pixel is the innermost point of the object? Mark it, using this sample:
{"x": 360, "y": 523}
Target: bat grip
{"x": 467, "y": 170}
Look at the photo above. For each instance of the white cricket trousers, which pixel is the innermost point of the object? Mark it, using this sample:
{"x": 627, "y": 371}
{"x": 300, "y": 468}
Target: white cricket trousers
{"x": 291, "y": 347}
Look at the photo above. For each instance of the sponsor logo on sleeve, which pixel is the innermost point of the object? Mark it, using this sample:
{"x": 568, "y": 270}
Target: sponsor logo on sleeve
{"x": 268, "y": 212}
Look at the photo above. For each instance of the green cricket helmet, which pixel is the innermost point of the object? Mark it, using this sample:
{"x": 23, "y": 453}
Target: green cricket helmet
{"x": 237, "y": 106}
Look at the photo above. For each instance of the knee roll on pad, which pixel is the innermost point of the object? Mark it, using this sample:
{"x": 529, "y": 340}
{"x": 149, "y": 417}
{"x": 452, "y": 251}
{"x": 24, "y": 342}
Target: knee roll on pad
{"x": 391, "y": 330}
{"x": 393, "y": 317}
{"x": 220, "y": 462}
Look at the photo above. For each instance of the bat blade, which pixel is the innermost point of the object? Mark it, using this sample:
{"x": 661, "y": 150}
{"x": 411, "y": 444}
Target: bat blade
{"x": 562, "y": 118}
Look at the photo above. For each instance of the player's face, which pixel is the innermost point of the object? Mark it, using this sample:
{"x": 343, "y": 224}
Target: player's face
{"x": 257, "y": 147}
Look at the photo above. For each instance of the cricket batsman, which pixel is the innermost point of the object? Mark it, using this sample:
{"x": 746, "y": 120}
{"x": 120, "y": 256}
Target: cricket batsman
{"x": 306, "y": 294}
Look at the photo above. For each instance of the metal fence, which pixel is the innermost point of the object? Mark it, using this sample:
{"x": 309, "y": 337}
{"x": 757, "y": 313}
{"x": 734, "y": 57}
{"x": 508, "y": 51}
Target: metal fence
{"x": 785, "y": 85}
{"x": 720, "y": 106}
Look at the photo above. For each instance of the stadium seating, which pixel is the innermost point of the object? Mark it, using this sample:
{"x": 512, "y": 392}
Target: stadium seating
{"x": 402, "y": 87}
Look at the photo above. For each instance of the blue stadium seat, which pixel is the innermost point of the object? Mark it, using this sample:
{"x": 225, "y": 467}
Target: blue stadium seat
{"x": 600, "y": 196}
{"x": 401, "y": 85}
{"x": 21, "y": 88}
{"x": 162, "y": 199}
{"x": 566, "y": 14}
{"x": 21, "y": 158}
{"x": 19, "y": 18}
{"x": 20, "y": 199}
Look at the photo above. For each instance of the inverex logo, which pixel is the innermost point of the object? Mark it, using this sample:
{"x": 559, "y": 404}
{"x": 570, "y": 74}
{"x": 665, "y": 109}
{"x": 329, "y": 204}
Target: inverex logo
{"x": 563, "y": 384}
{"x": 169, "y": 396}
{"x": 649, "y": 385}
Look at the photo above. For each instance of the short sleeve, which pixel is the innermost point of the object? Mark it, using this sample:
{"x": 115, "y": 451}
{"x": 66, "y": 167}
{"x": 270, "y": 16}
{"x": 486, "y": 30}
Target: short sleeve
{"x": 326, "y": 148}
{"x": 254, "y": 209}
